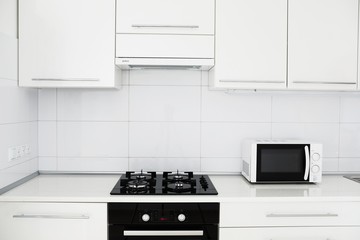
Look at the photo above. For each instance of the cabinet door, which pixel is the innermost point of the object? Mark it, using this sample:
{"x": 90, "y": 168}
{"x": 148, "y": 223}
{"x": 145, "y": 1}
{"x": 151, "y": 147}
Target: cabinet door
{"x": 323, "y": 44}
{"x": 66, "y": 43}
{"x": 55, "y": 221}
{"x": 165, "y": 16}
{"x": 250, "y": 45}
{"x": 295, "y": 233}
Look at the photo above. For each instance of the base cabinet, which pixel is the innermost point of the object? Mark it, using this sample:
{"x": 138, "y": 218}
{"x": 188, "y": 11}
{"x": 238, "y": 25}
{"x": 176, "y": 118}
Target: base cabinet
{"x": 292, "y": 233}
{"x": 55, "y": 221}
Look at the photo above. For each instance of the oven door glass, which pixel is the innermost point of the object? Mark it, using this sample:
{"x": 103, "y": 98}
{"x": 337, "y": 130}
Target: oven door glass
{"x": 282, "y": 163}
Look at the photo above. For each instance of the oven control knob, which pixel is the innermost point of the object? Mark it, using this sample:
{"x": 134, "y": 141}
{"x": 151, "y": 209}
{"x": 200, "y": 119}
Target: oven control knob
{"x": 145, "y": 217}
{"x": 315, "y": 169}
{"x": 181, "y": 217}
{"x": 316, "y": 156}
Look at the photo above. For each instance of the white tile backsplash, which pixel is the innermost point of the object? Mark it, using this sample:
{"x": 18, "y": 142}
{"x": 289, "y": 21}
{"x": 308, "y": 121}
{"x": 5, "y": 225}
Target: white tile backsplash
{"x": 164, "y": 103}
{"x": 350, "y": 108}
{"x": 93, "y": 164}
{"x": 92, "y": 104}
{"x": 164, "y": 139}
{"x": 170, "y": 119}
{"x": 164, "y": 164}
{"x": 92, "y": 139}
{"x": 223, "y": 107}
{"x": 47, "y": 104}
{"x": 349, "y": 140}
{"x": 224, "y": 139}
{"x": 305, "y": 108}
{"x": 47, "y": 138}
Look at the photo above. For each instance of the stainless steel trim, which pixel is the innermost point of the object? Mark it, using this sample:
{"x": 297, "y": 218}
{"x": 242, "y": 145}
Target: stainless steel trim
{"x": 67, "y": 79}
{"x": 164, "y": 233}
{"x": 281, "y": 215}
{"x": 51, "y": 216}
{"x": 318, "y": 82}
{"x": 252, "y": 81}
{"x": 163, "y": 26}
{"x": 307, "y": 163}
{"x": 173, "y": 67}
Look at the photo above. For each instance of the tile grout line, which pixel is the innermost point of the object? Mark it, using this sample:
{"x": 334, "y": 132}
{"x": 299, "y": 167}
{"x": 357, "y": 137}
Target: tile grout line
{"x": 128, "y": 118}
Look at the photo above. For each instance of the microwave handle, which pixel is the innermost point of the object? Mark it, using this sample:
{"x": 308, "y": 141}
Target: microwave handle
{"x": 307, "y": 163}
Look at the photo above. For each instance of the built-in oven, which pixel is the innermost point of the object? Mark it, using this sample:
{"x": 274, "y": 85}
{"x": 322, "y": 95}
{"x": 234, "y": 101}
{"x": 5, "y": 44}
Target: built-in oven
{"x": 285, "y": 161}
{"x": 170, "y": 221}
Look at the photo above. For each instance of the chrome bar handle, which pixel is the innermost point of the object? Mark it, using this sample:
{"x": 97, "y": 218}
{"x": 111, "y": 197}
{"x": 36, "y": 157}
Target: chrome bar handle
{"x": 318, "y": 82}
{"x": 51, "y": 216}
{"x": 285, "y": 215}
{"x": 251, "y": 81}
{"x": 163, "y": 26}
{"x": 307, "y": 163}
{"x": 67, "y": 79}
{"x": 163, "y": 233}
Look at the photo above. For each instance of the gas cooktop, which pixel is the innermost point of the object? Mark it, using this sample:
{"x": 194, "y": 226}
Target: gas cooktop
{"x": 166, "y": 183}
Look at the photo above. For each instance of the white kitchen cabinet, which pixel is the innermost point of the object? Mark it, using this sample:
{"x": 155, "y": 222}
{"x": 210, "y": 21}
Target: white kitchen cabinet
{"x": 251, "y": 44}
{"x": 293, "y": 233}
{"x": 284, "y": 220}
{"x": 55, "y": 221}
{"x": 164, "y": 16}
{"x": 67, "y": 43}
{"x": 323, "y": 38}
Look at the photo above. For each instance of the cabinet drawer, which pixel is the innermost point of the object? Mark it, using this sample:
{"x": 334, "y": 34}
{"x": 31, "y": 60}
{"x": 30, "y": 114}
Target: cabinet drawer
{"x": 290, "y": 214}
{"x": 293, "y": 233}
{"x": 165, "y": 16}
{"x": 164, "y": 46}
{"x": 55, "y": 221}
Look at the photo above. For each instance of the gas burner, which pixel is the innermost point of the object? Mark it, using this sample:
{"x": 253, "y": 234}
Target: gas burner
{"x": 137, "y": 186}
{"x": 178, "y": 175}
{"x": 140, "y": 175}
{"x": 179, "y": 187}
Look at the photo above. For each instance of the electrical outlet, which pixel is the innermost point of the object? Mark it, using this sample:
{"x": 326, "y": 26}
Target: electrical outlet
{"x": 18, "y": 152}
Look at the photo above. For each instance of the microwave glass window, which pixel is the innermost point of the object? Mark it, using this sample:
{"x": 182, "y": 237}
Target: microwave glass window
{"x": 282, "y": 160}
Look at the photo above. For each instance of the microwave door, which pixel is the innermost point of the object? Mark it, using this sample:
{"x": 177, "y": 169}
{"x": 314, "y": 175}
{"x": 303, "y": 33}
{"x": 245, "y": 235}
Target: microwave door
{"x": 283, "y": 163}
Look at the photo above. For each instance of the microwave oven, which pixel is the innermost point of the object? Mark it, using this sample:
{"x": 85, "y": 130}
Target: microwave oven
{"x": 281, "y": 161}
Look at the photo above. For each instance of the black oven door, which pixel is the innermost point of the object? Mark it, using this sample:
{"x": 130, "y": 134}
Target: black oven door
{"x": 165, "y": 232}
{"x": 283, "y": 163}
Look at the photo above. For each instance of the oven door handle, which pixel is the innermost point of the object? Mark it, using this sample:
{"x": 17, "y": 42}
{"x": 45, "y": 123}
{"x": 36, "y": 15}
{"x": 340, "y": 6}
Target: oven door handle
{"x": 163, "y": 233}
{"x": 307, "y": 163}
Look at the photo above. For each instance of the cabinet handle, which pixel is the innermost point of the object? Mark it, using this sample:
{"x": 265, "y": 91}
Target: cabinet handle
{"x": 251, "y": 81}
{"x": 279, "y": 215}
{"x": 163, "y": 26}
{"x": 67, "y": 79}
{"x": 318, "y": 82}
{"x": 164, "y": 233}
{"x": 51, "y": 216}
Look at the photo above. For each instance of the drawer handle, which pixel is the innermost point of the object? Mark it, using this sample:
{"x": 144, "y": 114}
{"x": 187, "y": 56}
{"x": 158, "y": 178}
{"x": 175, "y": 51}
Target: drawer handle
{"x": 164, "y": 233}
{"x": 250, "y": 81}
{"x": 163, "y": 26}
{"x": 315, "y": 82}
{"x": 67, "y": 79}
{"x": 279, "y": 215}
{"x": 51, "y": 216}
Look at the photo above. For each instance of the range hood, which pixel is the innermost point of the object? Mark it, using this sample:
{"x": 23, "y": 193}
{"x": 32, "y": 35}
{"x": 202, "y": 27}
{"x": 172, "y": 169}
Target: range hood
{"x": 164, "y": 63}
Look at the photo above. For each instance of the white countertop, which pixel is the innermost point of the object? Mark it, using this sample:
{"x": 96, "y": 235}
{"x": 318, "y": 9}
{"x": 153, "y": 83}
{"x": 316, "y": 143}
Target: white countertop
{"x": 96, "y": 188}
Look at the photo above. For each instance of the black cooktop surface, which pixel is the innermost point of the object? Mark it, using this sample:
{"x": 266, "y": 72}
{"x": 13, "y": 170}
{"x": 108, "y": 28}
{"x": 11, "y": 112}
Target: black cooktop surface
{"x": 166, "y": 183}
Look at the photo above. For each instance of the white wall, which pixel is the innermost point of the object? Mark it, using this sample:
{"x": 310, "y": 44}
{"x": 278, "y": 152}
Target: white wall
{"x": 18, "y": 107}
{"x": 168, "y": 120}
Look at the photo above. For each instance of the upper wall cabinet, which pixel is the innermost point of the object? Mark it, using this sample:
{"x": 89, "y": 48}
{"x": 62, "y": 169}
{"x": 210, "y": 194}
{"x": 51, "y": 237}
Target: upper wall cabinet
{"x": 250, "y": 50}
{"x": 163, "y": 33}
{"x": 323, "y": 44}
{"x": 67, "y": 43}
